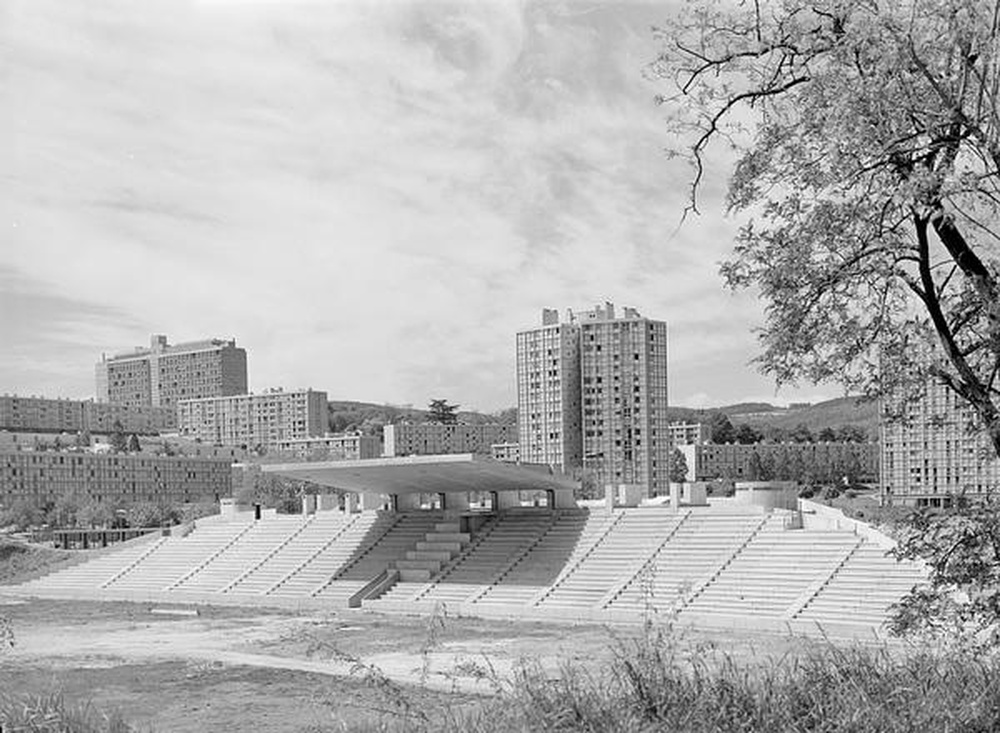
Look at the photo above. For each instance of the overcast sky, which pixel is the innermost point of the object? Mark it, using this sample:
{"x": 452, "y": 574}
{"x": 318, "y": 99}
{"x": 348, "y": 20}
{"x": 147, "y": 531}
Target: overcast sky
{"x": 372, "y": 198}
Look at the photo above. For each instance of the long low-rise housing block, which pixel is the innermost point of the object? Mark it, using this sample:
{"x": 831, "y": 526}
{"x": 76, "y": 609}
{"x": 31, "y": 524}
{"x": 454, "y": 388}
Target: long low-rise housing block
{"x": 47, "y": 415}
{"x": 41, "y": 477}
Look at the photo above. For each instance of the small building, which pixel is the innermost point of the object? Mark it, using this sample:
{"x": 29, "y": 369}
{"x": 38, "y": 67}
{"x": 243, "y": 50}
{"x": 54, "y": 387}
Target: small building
{"x": 426, "y": 439}
{"x": 343, "y": 447}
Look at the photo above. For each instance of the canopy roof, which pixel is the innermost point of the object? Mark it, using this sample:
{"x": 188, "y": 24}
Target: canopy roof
{"x": 425, "y": 474}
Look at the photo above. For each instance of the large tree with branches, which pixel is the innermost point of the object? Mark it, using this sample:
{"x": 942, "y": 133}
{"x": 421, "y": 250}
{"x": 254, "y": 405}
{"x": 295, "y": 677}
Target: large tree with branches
{"x": 868, "y": 168}
{"x": 868, "y": 144}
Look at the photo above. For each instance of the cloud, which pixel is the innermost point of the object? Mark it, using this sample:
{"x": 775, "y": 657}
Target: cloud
{"x": 371, "y": 197}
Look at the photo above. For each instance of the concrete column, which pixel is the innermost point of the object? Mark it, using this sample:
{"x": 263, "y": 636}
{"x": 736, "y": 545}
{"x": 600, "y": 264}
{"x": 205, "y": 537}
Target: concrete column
{"x": 610, "y": 497}
{"x": 675, "y": 495}
{"x": 630, "y": 494}
{"x": 309, "y": 504}
{"x": 351, "y": 502}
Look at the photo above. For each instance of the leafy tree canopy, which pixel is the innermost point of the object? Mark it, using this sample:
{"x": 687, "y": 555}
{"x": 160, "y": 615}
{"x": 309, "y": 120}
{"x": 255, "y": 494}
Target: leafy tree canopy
{"x": 441, "y": 412}
{"x": 678, "y": 466}
{"x": 868, "y": 141}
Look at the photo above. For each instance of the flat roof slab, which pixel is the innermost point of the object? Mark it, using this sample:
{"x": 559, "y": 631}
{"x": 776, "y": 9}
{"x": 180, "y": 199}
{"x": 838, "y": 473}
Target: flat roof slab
{"x": 425, "y": 474}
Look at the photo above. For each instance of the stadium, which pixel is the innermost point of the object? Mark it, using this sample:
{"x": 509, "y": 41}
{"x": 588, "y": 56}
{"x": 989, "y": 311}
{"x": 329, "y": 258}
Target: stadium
{"x": 485, "y": 539}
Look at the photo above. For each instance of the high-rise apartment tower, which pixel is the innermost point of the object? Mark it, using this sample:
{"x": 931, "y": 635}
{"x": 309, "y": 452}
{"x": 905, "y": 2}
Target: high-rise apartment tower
{"x": 164, "y": 374}
{"x": 548, "y": 393}
{"x": 592, "y": 392}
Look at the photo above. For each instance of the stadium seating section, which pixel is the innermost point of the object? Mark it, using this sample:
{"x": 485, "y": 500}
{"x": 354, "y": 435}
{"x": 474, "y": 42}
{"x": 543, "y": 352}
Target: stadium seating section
{"x": 716, "y": 564}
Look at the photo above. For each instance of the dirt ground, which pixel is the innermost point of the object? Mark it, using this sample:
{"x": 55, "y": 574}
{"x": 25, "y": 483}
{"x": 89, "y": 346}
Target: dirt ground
{"x": 238, "y": 669}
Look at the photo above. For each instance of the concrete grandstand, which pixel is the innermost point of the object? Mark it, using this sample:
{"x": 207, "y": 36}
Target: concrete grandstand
{"x": 417, "y": 534}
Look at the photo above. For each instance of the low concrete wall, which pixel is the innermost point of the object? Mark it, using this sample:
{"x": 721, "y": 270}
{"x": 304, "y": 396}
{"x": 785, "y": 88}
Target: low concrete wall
{"x": 767, "y": 494}
{"x": 822, "y": 517}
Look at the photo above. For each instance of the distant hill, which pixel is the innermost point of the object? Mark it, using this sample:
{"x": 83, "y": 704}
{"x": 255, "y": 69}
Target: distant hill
{"x": 370, "y": 417}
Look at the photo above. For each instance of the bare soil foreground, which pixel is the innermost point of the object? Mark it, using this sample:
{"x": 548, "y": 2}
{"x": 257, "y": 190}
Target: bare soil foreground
{"x": 237, "y": 669}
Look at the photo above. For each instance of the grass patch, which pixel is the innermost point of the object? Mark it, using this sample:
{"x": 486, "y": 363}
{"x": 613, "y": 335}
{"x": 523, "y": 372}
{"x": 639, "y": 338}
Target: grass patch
{"x": 21, "y": 560}
{"x": 53, "y": 714}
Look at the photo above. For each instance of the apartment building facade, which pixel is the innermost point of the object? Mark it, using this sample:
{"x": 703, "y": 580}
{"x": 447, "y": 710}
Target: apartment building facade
{"x": 592, "y": 393}
{"x": 45, "y": 415}
{"x": 933, "y": 450}
{"x": 40, "y": 478}
{"x": 254, "y": 420}
{"x": 164, "y": 374}
{"x": 737, "y": 462}
{"x": 426, "y": 439}
{"x": 548, "y": 393}
{"x": 623, "y": 374}
{"x": 684, "y": 433}
{"x": 342, "y": 447}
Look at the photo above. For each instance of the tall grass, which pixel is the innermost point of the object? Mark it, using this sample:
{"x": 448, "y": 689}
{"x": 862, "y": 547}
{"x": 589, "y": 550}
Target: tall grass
{"x": 657, "y": 683}
{"x": 53, "y": 714}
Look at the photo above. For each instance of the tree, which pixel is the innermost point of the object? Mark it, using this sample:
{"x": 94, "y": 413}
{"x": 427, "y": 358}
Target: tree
{"x": 118, "y": 439}
{"x": 722, "y": 430}
{"x": 801, "y": 434}
{"x": 826, "y": 435}
{"x": 678, "y": 466}
{"x": 869, "y": 155}
{"x": 746, "y": 435}
{"x": 851, "y": 434}
{"x": 133, "y": 443}
{"x": 440, "y": 411}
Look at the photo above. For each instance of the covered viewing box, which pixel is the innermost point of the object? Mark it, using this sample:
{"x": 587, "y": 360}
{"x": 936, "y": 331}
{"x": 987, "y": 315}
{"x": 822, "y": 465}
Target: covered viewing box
{"x": 451, "y": 482}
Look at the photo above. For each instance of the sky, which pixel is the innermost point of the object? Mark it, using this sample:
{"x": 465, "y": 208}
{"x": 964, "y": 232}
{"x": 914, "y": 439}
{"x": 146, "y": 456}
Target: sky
{"x": 372, "y": 198}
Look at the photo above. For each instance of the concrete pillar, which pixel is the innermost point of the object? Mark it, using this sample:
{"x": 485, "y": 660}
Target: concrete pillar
{"x": 351, "y": 501}
{"x": 370, "y": 501}
{"x": 630, "y": 494}
{"x": 675, "y": 495}
{"x": 327, "y": 502}
{"x": 455, "y": 501}
{"x": 695, "y": 493}
{"x": 309, "y": 504}
{"x": 610, "y": 497}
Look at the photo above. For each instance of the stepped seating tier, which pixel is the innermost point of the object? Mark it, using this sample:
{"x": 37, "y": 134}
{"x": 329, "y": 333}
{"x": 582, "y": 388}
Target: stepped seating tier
{"x": 863, "y": 588}
{"x": 772, "y": 572}
{"x": 701, "y": 544}
{"x": 94, "y": 574}
{"x": 632, "y": 538}
{"x": 560, "y": 547}
{"x": 402, "y": 534}
{"x": 506, "y": 537}
{"x": 249, "y": 550}
{"x": 315, "y": 535}
{"x": 340, "y": 549}
{"x": 178, "y": 557}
